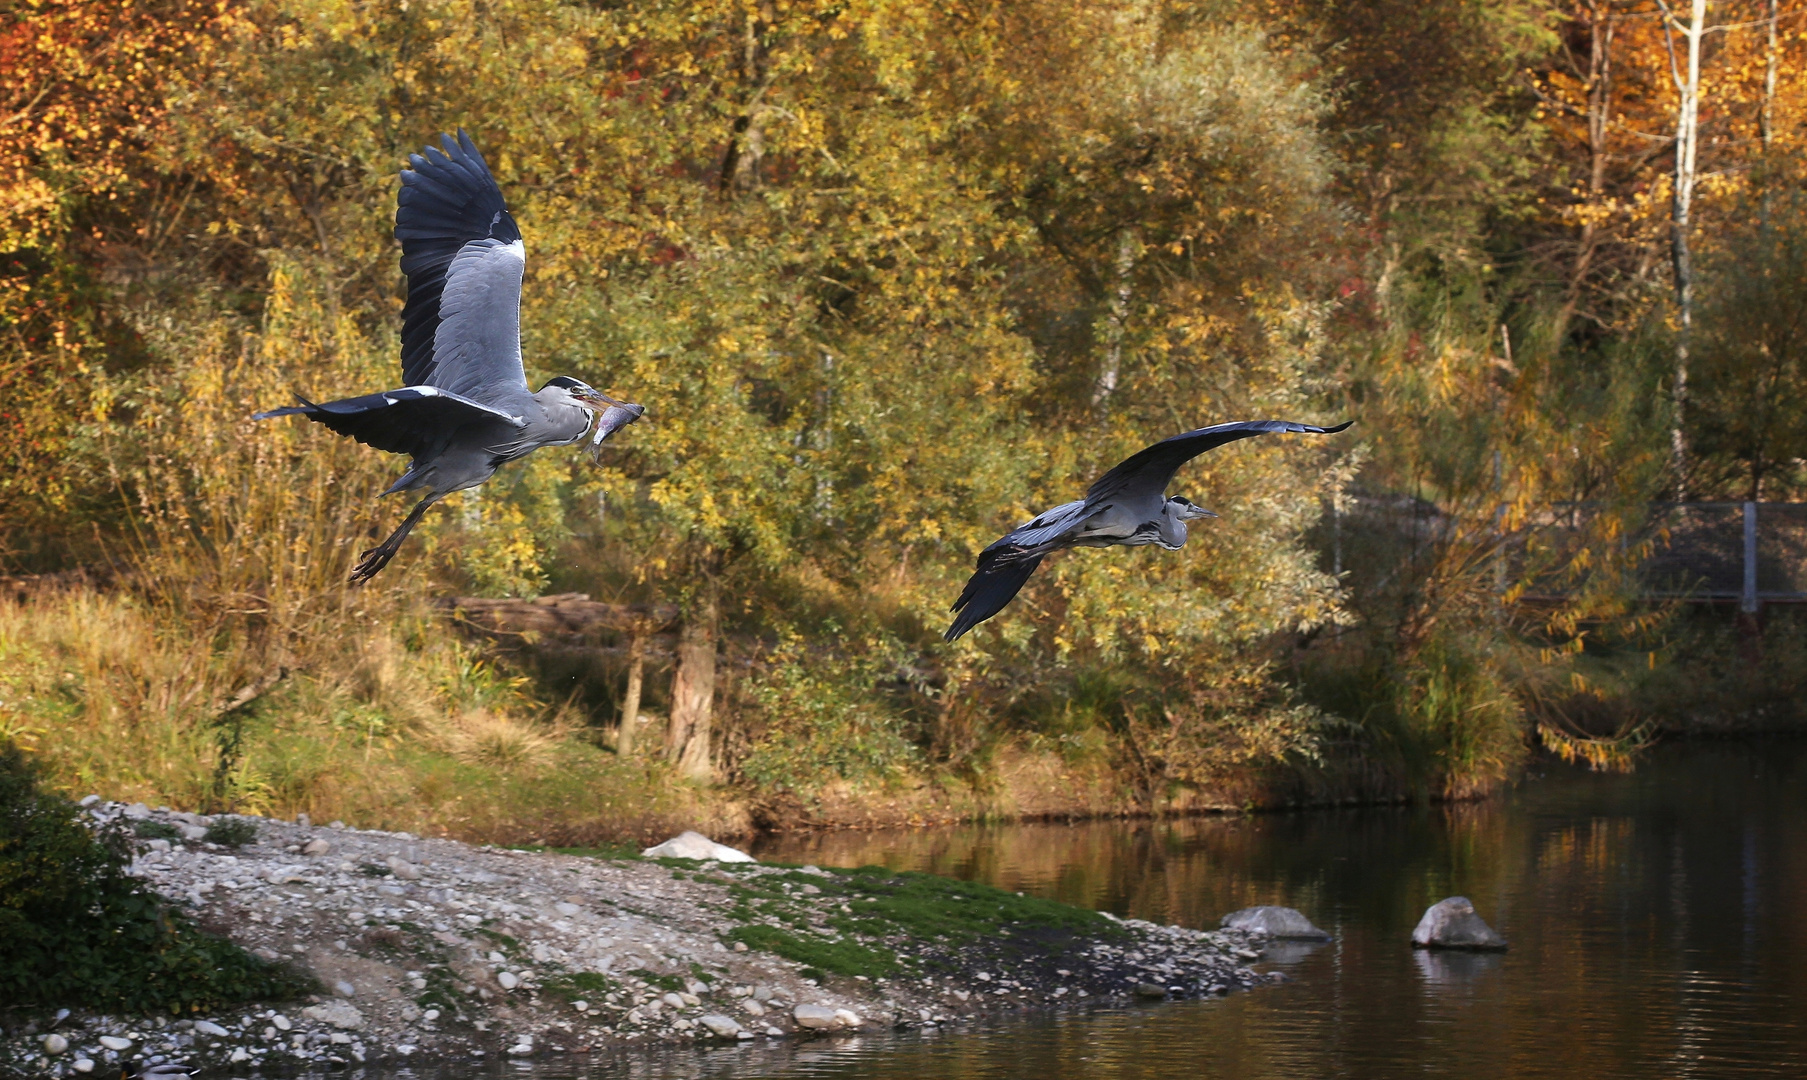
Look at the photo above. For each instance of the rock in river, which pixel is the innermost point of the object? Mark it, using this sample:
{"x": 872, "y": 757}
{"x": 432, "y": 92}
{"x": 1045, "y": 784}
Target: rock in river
{"x": 1275, "y": 922}
{"x": 694, "y": 845}
{"x": 815, "y": 1016}
{"x": 1453, "y": 924}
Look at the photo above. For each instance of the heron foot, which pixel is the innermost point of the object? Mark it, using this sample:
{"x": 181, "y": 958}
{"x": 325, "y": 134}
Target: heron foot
{"x": 372, "y": 561}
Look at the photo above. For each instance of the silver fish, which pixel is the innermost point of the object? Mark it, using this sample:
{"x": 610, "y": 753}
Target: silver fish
{"x": 618, "y": 415}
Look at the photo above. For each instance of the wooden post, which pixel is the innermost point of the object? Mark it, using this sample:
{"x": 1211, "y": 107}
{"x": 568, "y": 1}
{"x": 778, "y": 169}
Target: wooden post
{"x": 1748, "y": 605}
{"x": 630, "y": 701}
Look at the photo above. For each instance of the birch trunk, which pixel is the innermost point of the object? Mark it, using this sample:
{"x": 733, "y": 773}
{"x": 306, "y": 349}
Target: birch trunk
{"x": 1127, "y": 248}
{"x": 1687, "y": 131}
{"x": 1771, "y": 65}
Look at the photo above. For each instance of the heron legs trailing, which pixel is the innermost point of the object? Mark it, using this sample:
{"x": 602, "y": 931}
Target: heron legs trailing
{"x": 370, "y": 562}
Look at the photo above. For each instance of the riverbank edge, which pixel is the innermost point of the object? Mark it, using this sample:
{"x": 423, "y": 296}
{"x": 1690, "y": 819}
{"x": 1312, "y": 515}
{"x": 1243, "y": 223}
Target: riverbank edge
{"x": 433, "y": 950}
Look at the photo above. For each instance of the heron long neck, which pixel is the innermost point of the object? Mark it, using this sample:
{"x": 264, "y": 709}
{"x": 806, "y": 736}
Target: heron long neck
{"x": 1173, "y": 527}
{"x": 565, "y": 417}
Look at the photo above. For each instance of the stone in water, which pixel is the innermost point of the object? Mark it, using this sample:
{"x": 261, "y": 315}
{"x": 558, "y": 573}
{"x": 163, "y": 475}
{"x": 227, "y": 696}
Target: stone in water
{"x": 1453, "y": 924}
{"x": 817, "y": 1017}
{"x": 1275, "y": 922}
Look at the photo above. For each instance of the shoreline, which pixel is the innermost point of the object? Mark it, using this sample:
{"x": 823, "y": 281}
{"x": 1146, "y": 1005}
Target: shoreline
{"x": 434, "y": 950}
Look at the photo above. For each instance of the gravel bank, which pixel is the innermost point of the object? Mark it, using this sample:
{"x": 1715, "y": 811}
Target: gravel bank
{"x": 436, "y": 949}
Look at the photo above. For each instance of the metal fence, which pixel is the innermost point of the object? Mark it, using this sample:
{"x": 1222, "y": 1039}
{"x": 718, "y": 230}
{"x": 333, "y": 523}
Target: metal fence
{"x": 1748, "y": 553}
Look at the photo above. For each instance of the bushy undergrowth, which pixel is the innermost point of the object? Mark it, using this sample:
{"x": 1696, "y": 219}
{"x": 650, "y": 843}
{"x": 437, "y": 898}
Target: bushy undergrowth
{"x": 393, "y": 722}
{"x": 75, "y": 929}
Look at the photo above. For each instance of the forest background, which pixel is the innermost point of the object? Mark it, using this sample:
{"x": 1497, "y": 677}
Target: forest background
{"x": 890, "y": 276}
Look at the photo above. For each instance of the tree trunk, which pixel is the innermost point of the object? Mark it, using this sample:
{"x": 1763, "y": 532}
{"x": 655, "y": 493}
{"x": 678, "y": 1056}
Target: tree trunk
{"x": 1771, "y": 66}
{"x": 1127, "y": 248}
{"x": 1601, "y": 27}
{"x": 630, "y": 701}
{"x": 1687, "y": 131}
{"x": 693, "y": 690}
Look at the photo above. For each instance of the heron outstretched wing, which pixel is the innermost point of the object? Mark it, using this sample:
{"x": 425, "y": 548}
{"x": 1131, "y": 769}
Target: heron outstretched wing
{"x": 461, "y": 328}
{"x": 1147, "y": 472}
{"x": 1003, "y": 570}
{"x": 415, "y": 420}
{"x": 1008, "y": 562}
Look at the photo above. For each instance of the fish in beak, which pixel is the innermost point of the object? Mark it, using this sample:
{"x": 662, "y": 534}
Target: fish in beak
{"x": 615, "y": 416}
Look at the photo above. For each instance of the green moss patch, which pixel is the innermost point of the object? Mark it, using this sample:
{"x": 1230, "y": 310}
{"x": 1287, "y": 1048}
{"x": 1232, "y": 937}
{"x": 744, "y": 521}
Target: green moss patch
{"x": 76, "y": 929}
{"x": 877, "y": 922}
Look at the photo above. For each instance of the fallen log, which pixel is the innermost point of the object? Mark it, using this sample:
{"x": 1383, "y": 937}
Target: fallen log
{"x": 565, "y": 615}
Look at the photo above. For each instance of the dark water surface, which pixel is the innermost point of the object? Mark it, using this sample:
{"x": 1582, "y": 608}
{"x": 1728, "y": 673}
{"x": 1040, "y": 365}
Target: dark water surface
{"x": 1658, "y": 924}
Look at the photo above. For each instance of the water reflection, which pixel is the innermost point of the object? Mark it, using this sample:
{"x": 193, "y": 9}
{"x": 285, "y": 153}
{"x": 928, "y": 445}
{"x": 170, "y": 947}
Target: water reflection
{"x": 1655, "y": 923}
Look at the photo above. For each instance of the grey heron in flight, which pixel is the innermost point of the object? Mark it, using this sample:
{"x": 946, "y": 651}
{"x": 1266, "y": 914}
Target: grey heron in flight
{"x": 465, "y": 410}
{"x": 1128, "y": 507}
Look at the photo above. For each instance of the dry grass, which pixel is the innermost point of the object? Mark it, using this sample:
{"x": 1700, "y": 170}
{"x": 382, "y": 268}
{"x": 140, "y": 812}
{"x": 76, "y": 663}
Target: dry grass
{"x": 229, "y": 666}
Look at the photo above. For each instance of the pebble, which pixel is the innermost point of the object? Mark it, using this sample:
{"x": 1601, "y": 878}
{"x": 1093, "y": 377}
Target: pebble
{"x": 208, "y": 1027}
{"x": 114, "y": 1042}
{"x": 282, "y": 1022}
{"x": 82, "y": 1065}
{"x": 507, "y": 980}
{"x": 673, "y": 1000}
{"x": 55, "y": 1044}
{"x": 316, "y": 846}
{"x": 723, "y": 1027}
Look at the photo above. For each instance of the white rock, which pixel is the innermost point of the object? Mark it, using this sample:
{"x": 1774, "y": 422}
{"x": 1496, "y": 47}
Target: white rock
{"x": 82, "y": 1065}
{"x": 114, "y": 1042}
{"x": 281, "y": 1022}
{"x": 507, "y": 980}
{"x": 815, "y": 1017}
{"x": 774, "y": 1031}
{"x": 55, "y": 1044}
{"x": 1275, "y": 922}
{"x": 694, "y": 845}
{"x": 848, "y": 1017}
{"x": 193, "y": 832}
{"x": 405, "y": 1048}
{"x": 208, "y": 1027}
{"x": 691, "y": 999}
{"x": 344, "y": 989}
{"x": 753, "y": 1008}
{"x": 316, "y": 846}
{"x": 581, "y": 1005}
{"x": 521, "y": 1049}
{"x": 567, "y": 910}
{"x": 722, "y": 1027}
{"x": 137, "y": 811}
{"x": 1453, "y": 924}
{"x": 239, "y": 1054}
{"x": 673, "y": 1000}
{"x": 403, "y": 869}
{"x": 87, "y": 801}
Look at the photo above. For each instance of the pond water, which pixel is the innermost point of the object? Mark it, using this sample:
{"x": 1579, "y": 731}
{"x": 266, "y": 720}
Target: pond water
{"x": 1657, "y": 920}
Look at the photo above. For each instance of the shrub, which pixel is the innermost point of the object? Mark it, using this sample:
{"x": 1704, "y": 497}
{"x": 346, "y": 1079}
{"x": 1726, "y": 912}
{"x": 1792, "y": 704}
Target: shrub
{"x": 76, "y": 929}
{"x": 231, "y": 832}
